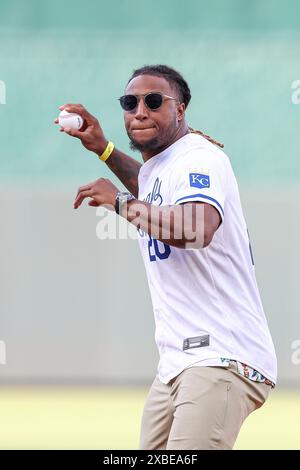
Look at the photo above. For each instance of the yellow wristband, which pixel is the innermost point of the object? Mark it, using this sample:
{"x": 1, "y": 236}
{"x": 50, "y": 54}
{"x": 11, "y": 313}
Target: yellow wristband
{"x": 107, "y": 152}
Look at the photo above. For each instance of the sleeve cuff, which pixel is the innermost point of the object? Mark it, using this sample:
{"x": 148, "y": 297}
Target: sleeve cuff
{"x": 202, "y": 198}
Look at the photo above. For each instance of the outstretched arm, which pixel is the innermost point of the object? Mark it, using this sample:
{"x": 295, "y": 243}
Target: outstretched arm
{"x": 184, "y": 226}
{"x": 93, "y": 139}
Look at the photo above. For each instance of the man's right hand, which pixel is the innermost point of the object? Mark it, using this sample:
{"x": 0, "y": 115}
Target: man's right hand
{"x": 91, "y": 134}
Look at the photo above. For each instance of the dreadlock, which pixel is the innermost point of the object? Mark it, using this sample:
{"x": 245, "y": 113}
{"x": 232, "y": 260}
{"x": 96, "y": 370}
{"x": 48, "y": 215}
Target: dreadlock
{"x": 207, "y": 137}
{"x": 177, "y": 82}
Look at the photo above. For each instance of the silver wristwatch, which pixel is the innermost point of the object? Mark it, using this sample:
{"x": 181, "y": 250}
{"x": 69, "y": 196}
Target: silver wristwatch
{"x": 122, "y": 198}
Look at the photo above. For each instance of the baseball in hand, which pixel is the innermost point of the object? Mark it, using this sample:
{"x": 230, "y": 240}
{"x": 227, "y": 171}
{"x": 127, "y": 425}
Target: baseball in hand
{"x": 70, "y": 120}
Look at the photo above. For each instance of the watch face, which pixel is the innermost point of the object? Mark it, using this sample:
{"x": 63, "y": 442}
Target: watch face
{"x": 123, "y": 197}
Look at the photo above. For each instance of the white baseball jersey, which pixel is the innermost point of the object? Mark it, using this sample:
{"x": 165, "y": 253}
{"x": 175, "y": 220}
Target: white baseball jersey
{"x": 206, "y": 301}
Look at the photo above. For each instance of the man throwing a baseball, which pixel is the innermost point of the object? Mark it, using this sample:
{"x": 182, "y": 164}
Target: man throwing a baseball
{"x": 217, "y": 359}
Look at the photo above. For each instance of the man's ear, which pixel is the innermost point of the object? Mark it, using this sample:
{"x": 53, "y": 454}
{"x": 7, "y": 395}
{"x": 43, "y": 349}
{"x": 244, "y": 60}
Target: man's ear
{"x": 180, "y": 111}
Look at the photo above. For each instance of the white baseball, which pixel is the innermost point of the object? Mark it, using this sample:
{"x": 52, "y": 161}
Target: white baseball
{"x": 70, "y": 120}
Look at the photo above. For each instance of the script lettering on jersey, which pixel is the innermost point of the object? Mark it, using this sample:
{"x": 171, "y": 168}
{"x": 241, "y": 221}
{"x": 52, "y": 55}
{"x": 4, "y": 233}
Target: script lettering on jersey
{"x": 151, "y": 197}
{"x": 155, "y": 195}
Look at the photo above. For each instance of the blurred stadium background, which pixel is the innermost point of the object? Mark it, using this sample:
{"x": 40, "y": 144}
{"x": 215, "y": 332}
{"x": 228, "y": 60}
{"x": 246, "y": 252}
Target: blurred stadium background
{"x": 76, "y": 323}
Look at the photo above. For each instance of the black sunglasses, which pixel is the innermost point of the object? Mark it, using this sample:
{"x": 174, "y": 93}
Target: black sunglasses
{"x": 153, "y": 101}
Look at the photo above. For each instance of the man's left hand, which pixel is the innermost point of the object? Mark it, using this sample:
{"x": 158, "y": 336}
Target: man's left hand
{"x": 100, "y": 192}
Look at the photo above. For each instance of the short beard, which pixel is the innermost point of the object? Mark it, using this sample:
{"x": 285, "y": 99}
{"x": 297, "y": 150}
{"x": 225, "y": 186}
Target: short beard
{"x": 156, "y": 143}
{"x": 152, "y": 144}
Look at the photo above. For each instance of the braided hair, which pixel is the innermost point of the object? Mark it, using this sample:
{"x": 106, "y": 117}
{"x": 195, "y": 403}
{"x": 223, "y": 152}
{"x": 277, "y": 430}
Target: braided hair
{"x": 177, "y": 82}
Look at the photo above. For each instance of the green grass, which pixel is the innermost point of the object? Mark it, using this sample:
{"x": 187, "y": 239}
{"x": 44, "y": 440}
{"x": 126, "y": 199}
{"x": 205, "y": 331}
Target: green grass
{"x": 109, "y": 418}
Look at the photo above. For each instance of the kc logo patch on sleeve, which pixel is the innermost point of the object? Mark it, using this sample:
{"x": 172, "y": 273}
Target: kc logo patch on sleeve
{"x": 199, "y": 180}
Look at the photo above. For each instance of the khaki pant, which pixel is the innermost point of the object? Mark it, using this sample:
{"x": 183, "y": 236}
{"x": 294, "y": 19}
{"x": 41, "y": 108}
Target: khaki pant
{"x": 201, "y": 408}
